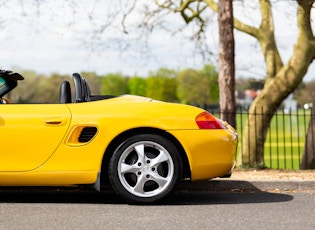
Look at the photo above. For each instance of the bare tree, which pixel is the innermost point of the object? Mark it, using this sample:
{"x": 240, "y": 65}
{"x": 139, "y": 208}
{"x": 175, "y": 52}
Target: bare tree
{"x": 280, "y": 80}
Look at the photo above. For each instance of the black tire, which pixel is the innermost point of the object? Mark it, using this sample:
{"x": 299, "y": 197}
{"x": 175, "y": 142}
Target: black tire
{"x": 145, "y": 169}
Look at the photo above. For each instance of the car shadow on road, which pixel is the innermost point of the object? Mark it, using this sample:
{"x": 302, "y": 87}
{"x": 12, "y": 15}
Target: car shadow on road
{"x": 58, "y": 195}
{"x": 226, "y": 197}
{"x": 225, "y": 192}
{"x": 183, "y": 196}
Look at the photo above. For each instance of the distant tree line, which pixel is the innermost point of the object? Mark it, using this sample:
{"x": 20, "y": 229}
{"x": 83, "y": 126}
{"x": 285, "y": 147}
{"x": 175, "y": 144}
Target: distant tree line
{"x": 188, "y": 86}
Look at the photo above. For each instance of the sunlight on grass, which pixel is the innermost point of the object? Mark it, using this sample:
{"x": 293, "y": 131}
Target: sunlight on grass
{"x": 285, "y": 140}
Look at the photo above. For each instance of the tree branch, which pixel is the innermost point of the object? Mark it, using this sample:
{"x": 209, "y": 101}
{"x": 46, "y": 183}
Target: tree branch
{"x": 187, "y": 11}
{"x": 304, "y": 23}
{"x": 125, "y": 15}
{"x": 305, "y": 32}
{"x": 251, "y": 30}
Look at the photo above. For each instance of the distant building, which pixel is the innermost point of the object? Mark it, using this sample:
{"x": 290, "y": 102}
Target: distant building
{"x": 245, "y": 99}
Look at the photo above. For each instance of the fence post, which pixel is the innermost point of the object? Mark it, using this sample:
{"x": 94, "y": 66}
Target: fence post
{"x": 308, "y": 160}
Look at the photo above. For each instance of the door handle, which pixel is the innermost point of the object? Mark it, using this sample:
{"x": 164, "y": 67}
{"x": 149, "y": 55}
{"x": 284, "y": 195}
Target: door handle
{"x": 56, "y": 121}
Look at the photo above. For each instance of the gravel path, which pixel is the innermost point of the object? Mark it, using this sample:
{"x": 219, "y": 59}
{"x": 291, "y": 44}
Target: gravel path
{"x": 267, "y": 174}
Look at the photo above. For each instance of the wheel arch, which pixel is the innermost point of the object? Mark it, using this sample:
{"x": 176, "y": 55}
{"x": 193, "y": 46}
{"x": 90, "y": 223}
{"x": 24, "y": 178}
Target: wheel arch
{"x": 123, "y": 136}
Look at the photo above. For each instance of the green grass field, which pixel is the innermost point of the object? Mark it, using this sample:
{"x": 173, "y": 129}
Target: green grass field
{"x": 285, "y": 140}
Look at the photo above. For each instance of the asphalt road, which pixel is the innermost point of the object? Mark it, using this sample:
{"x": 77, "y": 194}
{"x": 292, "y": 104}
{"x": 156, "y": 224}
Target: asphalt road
{"x": 55, "y": 209}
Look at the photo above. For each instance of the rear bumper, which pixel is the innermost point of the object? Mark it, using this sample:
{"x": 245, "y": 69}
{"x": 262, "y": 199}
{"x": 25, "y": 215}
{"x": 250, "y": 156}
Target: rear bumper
{"x": 229, "y": 174}
{"x": 211, "y": 153}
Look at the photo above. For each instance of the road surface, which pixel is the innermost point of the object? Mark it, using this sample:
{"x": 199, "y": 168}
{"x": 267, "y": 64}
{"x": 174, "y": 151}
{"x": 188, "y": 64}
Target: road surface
{"x": 70, "y": 209}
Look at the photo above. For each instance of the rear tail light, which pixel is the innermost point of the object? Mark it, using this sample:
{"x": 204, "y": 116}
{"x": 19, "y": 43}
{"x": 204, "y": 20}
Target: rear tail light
{"x": 206, "y": 120}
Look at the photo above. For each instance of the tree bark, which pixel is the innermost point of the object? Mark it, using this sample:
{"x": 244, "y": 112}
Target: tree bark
{"x": 308, "y": 160}
{"x": 226, "y": 61}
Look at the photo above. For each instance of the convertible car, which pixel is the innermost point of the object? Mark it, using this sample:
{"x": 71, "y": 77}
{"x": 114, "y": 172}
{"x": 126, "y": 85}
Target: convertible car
{"x": 141, "y": 147}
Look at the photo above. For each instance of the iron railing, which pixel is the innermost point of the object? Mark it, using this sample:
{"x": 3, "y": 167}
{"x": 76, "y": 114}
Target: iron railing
{"x": 285, "y": 141}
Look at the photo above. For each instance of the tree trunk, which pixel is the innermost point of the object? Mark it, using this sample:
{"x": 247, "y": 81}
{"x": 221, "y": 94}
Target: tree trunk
{"x": 254, "y": 134}
{"x": 226, "y": 61}
{"x": 308, "y": 160}
{"x": 267, "y": 102}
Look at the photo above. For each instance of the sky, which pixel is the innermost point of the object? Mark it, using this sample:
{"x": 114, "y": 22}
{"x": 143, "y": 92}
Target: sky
{"x": 59, "y": 36}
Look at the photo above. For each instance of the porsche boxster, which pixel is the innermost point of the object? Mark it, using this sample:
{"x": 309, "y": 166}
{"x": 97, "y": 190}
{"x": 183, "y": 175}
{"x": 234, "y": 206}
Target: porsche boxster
{"x": 141, "y": 147}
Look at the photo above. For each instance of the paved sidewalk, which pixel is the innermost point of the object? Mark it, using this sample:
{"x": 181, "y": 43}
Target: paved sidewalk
{"x": 275, "y": 180}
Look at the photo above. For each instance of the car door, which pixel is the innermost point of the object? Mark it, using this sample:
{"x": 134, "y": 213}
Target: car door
{"x": 30, "y": 133}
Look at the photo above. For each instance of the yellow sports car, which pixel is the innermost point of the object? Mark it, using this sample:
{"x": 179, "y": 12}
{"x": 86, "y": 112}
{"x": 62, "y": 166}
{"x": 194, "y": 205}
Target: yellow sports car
{"x": 142, "y": 147}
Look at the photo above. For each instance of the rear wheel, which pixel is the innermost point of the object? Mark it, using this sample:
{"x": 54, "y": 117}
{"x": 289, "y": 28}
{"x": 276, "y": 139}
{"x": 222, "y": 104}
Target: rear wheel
{"x": 145, "y": 168}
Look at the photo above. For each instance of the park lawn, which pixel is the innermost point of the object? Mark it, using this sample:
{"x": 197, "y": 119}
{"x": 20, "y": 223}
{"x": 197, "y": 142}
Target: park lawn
{"x": 284, "y": 145}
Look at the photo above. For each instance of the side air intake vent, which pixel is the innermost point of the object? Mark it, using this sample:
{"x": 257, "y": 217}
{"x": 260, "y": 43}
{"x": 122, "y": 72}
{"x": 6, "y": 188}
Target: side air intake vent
{"x": 87, "y": 134}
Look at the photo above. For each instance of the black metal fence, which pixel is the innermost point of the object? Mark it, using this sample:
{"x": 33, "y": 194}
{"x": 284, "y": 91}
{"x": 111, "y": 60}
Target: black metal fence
{"x": 285, "y": 142}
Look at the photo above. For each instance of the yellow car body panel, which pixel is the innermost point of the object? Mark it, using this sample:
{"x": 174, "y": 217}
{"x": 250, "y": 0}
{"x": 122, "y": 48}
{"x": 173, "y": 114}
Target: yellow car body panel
{"x": 30, "y": 134}
{"x": 45, "y": 150}
{"x": 211, "y": 153}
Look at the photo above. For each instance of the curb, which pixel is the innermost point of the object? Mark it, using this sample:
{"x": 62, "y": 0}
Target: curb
{"x": 254, "y": 185}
